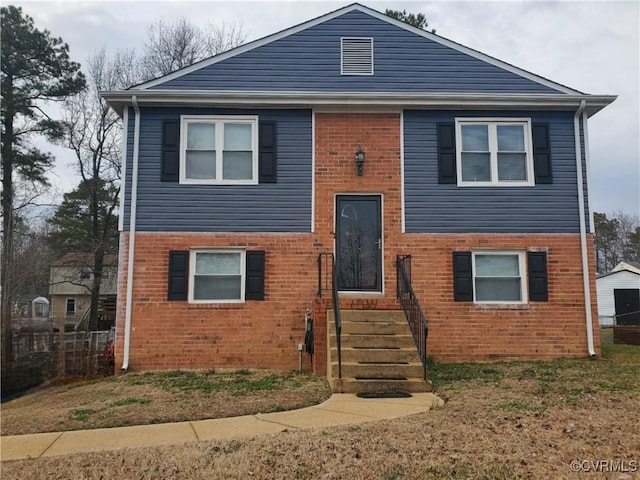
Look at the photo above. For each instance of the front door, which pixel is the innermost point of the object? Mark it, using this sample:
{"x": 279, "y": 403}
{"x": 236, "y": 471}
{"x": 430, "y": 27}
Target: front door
{"x": 359, "y": 243}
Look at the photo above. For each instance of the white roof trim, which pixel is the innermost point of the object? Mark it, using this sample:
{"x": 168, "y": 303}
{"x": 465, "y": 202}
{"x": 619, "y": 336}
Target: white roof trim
{"x": 381, "y": 16}
{"x": 624, "y": 266}
{"x": 292, "y": 99}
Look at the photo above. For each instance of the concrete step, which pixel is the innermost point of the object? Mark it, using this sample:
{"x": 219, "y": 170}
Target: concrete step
{"x": 368, "y": 316}
{"x": 378, "y": 353}
{"x": 373, "y": 341}
{"x": 388, "y": 355}
{"x": 371, "y": 328}
{"x": 351, "y": 385}
{"x": 378, "y": 370}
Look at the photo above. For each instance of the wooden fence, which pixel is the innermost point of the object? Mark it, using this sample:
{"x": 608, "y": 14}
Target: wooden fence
{"x": 40, "y": 355}
{"x": 85, "y": 353}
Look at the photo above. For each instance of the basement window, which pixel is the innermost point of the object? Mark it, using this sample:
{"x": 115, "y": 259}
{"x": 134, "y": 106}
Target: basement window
{"x": 498, "y": 277}
{"x": 357, "y": 56}
{"x": 217, "y": 276}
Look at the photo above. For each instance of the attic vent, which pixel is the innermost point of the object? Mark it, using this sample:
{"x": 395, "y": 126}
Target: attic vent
{"x": 357, "y": 56}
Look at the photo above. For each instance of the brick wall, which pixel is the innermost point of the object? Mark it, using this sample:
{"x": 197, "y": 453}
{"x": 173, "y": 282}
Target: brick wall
{"x": 177, "y": 334}
{"x": 458, "y": 330}
{"x": 266, "y": 333}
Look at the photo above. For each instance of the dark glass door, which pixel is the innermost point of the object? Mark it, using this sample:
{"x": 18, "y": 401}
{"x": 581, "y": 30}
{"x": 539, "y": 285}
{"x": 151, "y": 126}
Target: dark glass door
{"x": 359, "y": 243}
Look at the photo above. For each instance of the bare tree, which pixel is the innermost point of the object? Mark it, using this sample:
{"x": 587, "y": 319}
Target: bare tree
{"x": 86, "y": 221}
{"x": 171, "y": 46}
{"x": 220, "y": 38}
{"x": 32, "y": 256}
{"x": 616, "y": 239}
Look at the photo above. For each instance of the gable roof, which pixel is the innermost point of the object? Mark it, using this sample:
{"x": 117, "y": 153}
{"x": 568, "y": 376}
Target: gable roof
{"x": 631, "y": 267}
{"x": 197, "y": 82}
{"x": 628, "y": 266}
{"x": 337, "y": 13}
{"x": 83, "y": 260}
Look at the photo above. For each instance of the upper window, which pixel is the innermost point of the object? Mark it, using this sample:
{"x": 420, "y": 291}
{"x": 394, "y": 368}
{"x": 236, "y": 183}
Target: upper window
{"x": 219, "y": 150}
{"x": 498, "y": 277}
{"x": 217, "y": 276}
{"x": 356, "y": 56}
{"x": 70, "y": 306}
{"x": 494, "y": 152}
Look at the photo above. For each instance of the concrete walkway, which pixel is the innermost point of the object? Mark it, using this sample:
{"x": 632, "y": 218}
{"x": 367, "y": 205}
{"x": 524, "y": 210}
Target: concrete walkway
{"x": 340, "y": 409}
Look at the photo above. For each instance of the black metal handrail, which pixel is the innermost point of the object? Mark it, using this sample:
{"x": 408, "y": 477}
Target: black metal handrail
{"x": 328, "y": 261}
{"x": 415, "y": 317}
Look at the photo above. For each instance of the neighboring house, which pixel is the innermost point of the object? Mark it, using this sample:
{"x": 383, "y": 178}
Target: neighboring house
{"x": 71, "y": 280}
{"x": 619, "y": 295}
{"x": 358, "y": 135}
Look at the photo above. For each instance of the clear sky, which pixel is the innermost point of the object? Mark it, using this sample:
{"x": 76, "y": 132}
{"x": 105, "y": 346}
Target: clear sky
{"x": 593, "y": 47}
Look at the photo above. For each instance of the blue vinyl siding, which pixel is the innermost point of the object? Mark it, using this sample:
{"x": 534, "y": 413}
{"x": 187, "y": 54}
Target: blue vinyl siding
{"x": 284, "y": 206}
{"x": 310, "y": 61}
{"x": 434, "y": 208}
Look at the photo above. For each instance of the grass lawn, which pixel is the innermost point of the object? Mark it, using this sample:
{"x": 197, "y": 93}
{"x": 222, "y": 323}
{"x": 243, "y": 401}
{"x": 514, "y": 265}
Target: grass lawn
{"x": 505, "y": 420}
{"x": 160, "y": 397}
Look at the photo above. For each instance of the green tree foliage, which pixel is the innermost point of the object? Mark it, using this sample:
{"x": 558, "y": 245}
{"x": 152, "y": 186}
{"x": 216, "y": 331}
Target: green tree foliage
{"x": 74, "y": 225}
{"x": 417, "y": 20}
{"x": 36, "y": 68}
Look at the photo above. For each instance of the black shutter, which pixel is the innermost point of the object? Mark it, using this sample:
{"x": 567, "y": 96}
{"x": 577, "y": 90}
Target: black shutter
{"x": 170, "y": 167}
{"x": 462, "y": 277}
{"x": 267, "y": 156}
{"x": 538, "y": 279}
{"x": 254, "y": 287}
{"x": 541, "y": 154}
{"x": 178, "y": 274}
{"x": 447, "y": 153}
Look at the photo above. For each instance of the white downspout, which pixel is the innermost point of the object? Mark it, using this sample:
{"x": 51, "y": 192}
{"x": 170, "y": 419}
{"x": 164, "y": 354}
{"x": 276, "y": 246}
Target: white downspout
{"x": 132, "y": 233}
{"x": 587, "y": 157}
{"x": 583, "y": 231}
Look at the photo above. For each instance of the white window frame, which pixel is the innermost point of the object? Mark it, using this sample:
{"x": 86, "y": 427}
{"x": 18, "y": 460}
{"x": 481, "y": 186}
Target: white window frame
{"x": 492, "y": 124}
{"x": 66, "y": 305}
{"x": 522, "y": 270}
{"x": 218, "y": 121}
{"x": 192, "y": 272}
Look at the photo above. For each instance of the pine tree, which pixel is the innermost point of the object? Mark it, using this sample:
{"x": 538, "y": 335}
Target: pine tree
{"x": 35, "y": 68}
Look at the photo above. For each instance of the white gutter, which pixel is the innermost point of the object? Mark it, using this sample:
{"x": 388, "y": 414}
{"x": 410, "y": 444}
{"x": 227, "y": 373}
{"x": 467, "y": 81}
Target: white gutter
{"x": 583, "y": 231}
{"x": 132, "y": 233}
{"x": 309, "y": 99}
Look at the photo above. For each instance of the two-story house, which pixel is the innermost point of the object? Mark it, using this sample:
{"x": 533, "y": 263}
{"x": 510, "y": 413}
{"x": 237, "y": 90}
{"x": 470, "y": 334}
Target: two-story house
{"x": 356, "y": 137}
{"x": 70, "y": 288}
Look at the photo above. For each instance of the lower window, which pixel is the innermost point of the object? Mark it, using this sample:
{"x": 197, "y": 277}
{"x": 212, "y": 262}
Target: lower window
{"x": 217, "y": 276}
{"x": 497, "y": 277}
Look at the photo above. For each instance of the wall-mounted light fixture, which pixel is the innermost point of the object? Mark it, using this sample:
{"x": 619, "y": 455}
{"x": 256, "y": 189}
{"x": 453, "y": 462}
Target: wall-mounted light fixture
{"x": 360, "y": 160}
